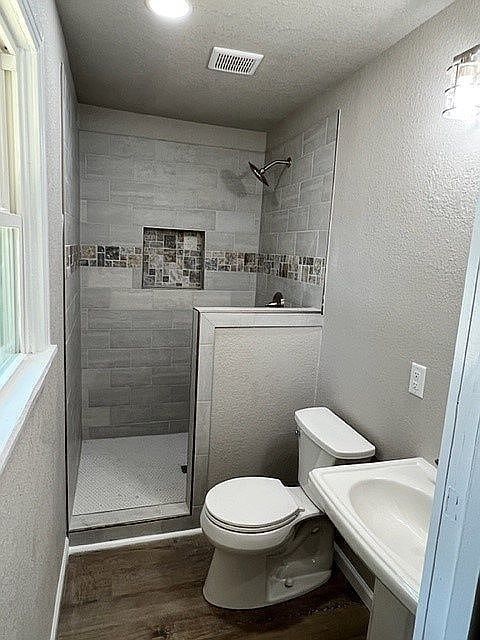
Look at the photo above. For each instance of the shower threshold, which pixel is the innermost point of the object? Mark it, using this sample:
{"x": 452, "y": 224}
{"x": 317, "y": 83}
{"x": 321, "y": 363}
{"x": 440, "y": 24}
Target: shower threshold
{"x": 130, "y": 479}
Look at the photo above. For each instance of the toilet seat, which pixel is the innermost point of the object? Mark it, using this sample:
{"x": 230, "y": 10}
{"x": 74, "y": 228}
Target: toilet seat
{"x": 254, "y": 540}
{"x": 251, "y": 505}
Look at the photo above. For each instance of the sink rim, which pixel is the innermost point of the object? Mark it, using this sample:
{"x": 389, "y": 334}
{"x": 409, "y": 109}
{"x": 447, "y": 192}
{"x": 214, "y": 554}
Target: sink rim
{"x": 386, "y": 564}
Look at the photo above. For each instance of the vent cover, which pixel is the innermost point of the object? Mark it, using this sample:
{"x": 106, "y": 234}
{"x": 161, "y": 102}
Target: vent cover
{"x": 232, "y": 61}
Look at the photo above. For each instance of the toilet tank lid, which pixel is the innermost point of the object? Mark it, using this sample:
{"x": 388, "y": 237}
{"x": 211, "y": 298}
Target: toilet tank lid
{"x": 334, "y": 435}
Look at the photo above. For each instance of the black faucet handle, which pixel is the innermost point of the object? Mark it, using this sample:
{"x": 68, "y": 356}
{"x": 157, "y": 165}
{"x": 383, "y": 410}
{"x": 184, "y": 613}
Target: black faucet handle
{"x": 278, "y": 300}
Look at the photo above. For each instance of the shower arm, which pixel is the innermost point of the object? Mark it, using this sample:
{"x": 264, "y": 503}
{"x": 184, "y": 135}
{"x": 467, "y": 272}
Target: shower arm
{"x": 286, "y": 162}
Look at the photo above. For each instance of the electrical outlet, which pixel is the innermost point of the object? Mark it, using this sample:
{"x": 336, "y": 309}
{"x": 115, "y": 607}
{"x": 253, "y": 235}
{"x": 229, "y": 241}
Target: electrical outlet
{"x": 417, "y": 379}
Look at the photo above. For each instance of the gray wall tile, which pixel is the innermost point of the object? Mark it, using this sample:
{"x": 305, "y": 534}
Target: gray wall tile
{"x": 98, "y": 297}
{"x": 95, "y": 189}
{"x": 131, "y": 377}
{"x": 229, "y": 281}
{"x": 109, "y": 397}
{"x": 98, "y": 416}
{"x": 217, "y": 200}
{"x": 172, "y": 337}
{"x": 92, "y": 378}
{"x": 154, "y": 217}
{"x": 107, "y": 319}
{"x": 131, "y": 338}
{"x": 319, "y": 215}
{"x": 219, "y": 241}
{"x": 108, "y": 358}
{"x": 306, "y": 243}
{"x": 305, "y": 192}
{"x": 171, "y": 375}
{"x": 90, "y": 142}
{"x": 311, "y": 191}
{"x": 130, "y": 146}
{"x": 108, "y": 213}
{"x": 298, "y": 219}
{"x": 315, "y": 137}
{"x": 96, "y": 165}
{"x": 196, "y": 219}
{"x": 95, "y": 339}
{"x": 229, "y": 221}
{"x": 137, "y": 339}
{"x": 145, "y": 319}
{"x": 247, "y": 242}
{"x": 106, "y": 277}
{"x": 150, "y": 357}
{"x": 323, "y": 159}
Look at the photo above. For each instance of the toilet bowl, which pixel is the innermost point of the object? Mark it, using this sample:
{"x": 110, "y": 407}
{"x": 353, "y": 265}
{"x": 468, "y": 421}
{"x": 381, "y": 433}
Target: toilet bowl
{"x": 272, "y": 542}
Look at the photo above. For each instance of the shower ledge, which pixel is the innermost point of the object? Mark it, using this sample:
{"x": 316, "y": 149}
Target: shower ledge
{"x": 258, "y": 310}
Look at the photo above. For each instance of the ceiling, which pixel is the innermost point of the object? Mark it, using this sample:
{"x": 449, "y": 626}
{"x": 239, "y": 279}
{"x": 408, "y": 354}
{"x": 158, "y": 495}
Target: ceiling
{"x": 125, "y": 57}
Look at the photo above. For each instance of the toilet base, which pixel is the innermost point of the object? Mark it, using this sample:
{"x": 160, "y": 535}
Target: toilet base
{"x": 239, "y": 580}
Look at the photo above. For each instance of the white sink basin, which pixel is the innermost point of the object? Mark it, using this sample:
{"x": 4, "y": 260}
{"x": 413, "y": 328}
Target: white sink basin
{"x": 382, "y": 509}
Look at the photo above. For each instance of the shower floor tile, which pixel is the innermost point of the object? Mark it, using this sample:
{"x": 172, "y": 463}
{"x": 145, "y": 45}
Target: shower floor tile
{"x": 131, "y": 472}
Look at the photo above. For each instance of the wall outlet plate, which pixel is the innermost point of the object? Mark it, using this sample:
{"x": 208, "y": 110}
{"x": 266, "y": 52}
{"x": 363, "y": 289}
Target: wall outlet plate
{"x": 416, "y": 384}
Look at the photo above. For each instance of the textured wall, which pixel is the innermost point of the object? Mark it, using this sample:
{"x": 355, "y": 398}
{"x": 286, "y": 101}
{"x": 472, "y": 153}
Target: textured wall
{"x": 405, "y": 188}
{"x": 296, "y": 211}
{"x": 71, "y": 221}
{"x": 32, "y": 486}
{"x": 276, "y": 369}
{"x": 136, "y": 342}
{"x": 33, "y": 518}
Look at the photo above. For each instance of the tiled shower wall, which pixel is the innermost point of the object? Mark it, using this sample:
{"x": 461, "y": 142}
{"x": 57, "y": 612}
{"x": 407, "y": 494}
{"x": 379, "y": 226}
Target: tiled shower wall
{"x": 296, "y": 215}
{"x": 136, "y": 343}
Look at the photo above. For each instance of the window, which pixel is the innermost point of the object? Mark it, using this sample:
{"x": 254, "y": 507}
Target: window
{"x": 23, "y": 275}
{"x": 25, "y": 352}
{"x": 9, "y": 299}
{"x": 10, "y": 221}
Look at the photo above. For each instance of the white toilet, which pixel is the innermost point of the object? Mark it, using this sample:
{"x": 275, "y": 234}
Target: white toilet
{"x": 272, "y": 543}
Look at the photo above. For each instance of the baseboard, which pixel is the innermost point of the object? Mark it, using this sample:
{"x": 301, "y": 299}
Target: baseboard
{"x": 346, "y": 566}
{"x": 132, "y": 542}
{"x": 59, "y": 594}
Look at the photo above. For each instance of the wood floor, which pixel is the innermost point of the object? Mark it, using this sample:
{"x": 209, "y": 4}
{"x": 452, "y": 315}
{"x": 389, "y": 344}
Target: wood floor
{"x": 154, "y": 592}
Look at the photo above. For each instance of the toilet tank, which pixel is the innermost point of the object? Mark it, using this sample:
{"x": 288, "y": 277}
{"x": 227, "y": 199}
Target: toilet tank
{"x": 325, "y": 440}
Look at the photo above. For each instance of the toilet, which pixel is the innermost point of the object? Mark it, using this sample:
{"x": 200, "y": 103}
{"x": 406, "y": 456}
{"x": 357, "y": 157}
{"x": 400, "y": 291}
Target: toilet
{"x": 272, "y": 542}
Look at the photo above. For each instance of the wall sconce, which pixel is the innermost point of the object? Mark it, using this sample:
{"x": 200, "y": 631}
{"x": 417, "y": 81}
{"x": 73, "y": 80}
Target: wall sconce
{"x": 462, "y": 96}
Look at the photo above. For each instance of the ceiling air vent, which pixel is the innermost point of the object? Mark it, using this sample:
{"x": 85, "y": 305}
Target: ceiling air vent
{"x": 232, "y": 61}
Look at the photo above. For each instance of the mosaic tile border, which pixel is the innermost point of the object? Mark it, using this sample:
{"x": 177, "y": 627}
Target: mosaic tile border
{"x": 72, "y": 258}
{"x": 308, "y": 269}
{"x": 110, "y": 256}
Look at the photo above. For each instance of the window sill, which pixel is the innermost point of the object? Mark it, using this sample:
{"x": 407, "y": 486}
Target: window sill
{"x": 18, "y": 395}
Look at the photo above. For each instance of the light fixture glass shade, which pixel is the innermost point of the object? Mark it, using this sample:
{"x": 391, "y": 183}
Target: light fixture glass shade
{"x": 172, "y": 9}
{"x": 462, "y": 96}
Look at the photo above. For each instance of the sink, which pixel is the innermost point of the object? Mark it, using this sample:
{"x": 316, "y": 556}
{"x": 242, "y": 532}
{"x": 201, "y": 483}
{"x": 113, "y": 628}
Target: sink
{"x": 382, "y": 509}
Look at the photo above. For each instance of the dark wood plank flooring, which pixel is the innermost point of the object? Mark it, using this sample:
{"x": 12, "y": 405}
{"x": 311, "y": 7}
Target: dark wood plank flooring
{"x": 154, "y": 592}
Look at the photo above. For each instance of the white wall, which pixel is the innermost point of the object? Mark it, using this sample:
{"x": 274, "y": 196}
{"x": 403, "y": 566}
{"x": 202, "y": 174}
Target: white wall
{"x": 32, "y": 485}
{"x": 406, "y": 185}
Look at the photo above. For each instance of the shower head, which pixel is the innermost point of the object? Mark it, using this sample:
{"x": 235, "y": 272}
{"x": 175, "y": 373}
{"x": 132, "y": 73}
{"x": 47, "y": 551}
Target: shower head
{"x": 260, "y": 173}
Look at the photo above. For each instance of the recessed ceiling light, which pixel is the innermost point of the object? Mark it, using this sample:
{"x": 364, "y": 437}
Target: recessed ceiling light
{"x": 170, "y": 8}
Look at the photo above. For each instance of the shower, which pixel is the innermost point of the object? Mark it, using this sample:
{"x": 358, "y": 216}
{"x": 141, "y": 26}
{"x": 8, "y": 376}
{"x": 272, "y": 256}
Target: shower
{"x": 260, "y": 173}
